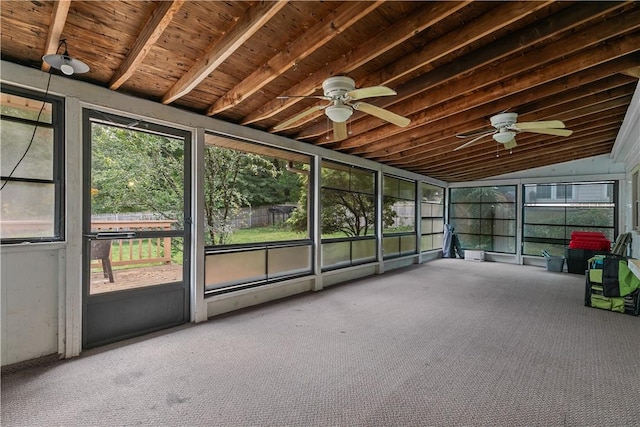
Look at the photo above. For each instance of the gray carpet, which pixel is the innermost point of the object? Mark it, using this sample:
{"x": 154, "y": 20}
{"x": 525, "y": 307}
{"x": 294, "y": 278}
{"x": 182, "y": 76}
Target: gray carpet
{"x": 447, "y": 343}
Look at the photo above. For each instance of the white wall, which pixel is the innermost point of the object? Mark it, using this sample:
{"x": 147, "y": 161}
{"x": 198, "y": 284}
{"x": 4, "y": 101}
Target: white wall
{"x": 627, "y": 150}
{"x": 574, "y": 170}
{"x": 30, "y": 277}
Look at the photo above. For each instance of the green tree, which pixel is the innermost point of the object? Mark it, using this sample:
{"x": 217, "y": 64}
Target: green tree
{"x": 348, "y": 205}
{"x": 232, "y": 179}
{"x": 271, "y": 184}
{"x": 134, "y": 171}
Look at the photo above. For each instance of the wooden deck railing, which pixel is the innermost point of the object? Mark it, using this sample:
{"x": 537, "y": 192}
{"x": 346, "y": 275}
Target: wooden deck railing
{"x": 139, "y": 250}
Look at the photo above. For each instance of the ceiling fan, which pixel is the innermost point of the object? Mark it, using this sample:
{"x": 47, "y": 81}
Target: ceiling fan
{"x": 343, "y": 98}
{"x": 506, "y": 128}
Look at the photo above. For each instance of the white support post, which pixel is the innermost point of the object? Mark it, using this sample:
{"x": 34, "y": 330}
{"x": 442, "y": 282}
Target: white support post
{"x": 314, "y": 209}
{"x": 70, "y": 315}
{"x": 197, "y": 261}
{"x": 379, "y": 210}
{"x": 519, "y": 221}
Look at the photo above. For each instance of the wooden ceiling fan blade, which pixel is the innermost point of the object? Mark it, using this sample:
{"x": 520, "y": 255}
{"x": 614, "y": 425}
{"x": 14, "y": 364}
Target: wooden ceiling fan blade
{"x": 383, "y": 114}
{"x": 339, "y": 131}
{"x": 286, "y": 124}
{"x": 557, "y": 132}
{"x": 511, "y": 144}
{"x": 370, "y": 92}
{"x": 549, "y": 124}
{"x": 473, "y": 141}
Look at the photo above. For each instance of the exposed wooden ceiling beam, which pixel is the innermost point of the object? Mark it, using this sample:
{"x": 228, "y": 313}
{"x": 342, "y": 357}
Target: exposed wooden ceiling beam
{"x": 505, "y": 47}
{"x": 510, "y": 77}
{"x": 594, "y": 149}
{"x": 415, "y": 140}
{"x": 453, "y": 64}
{"x": 501, "y": 161}
{"x": 427, "y": 16}
{"x": 579, "y": 106}
{"x": 433, "y": 146}
{"x": 255, "y": 18}
{"x": 608, "y": 87}
{"x": 58, "y": 19}
{"x": 492, "y": 165}
{"x": 633, "y": 72}
{"x": 329, "y": 27}
{"x": 151, "y": 32}
{"x": 425, "y": 58}
{"x": 526, "y": 144}
{"x": 441, "y": 149}
{"x": 442, "y": 153}
{"x": 504, "y": 14}
{"x": 518, "y": 83}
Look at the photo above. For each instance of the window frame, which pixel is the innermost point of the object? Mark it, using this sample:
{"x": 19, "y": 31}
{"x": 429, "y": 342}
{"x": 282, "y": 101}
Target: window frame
{"x": 432, "y": 218}
{"x": 329, "y": 241}
{"x": 451, "y": 199}
{"x": 58, "y": 160}
{"x": 266, "y": 152}
{"x": 553, "y": 244}
{"x": 635, "y": 199}
{"x": 400, "y": 243}
{"x": 261, "y": 248}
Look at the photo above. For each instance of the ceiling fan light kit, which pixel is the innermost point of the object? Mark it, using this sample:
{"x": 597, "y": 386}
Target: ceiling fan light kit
{"x": 338, "y": 113}
{"x": 504, "y": 137}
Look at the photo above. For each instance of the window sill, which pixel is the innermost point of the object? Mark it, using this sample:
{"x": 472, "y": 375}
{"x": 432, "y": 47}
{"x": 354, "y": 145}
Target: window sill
{"x": 32, "y": 247}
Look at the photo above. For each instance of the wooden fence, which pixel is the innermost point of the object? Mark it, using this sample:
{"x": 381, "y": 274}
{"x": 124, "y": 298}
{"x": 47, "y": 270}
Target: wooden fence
{"x": 138, "y": 250}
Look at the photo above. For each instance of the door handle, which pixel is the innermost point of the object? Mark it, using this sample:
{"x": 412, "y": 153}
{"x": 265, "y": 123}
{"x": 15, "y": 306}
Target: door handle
{"x": 111, "y": 235}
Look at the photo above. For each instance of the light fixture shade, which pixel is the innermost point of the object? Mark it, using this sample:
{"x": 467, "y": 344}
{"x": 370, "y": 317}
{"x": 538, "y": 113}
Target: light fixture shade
{"x": 338, "y": 113}
{"x": 66, "y": 64}
{"x": 504, "y": 137}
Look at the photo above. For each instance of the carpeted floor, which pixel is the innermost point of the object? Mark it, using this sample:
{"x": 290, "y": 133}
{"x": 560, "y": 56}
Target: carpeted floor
{"x": 447, "y": 343}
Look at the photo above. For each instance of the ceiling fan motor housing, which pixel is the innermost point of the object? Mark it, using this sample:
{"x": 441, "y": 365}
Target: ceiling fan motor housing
{"x": 338, "y": 86}
{"x": 504, "y": 120}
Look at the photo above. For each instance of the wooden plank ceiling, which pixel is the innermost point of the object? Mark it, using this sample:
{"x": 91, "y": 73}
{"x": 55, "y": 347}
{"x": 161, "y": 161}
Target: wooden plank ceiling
{"x": 453, "y": 65}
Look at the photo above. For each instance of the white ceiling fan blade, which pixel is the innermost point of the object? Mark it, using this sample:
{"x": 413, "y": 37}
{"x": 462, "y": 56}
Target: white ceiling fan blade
{"x": 303, "y": 96}
{"x": 297, "y": 117}
{"x": 484, "y": 131}
{"x": 510, "y": 144}
{"x": 383, "y": 114}
{"x": 473, "y": 141}
{"x": 557, "y": 124}
{"x": 558, "y": 132}
{"x": 339, "y": 131}
{"x": 370, "y": 92}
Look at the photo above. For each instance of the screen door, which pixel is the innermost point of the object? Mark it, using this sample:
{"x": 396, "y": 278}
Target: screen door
{"x": 135, "y": 228}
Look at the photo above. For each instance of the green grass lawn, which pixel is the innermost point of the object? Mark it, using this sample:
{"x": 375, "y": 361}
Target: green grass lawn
{"x": 263, "y": 234}
{"x": 272, "y": 234}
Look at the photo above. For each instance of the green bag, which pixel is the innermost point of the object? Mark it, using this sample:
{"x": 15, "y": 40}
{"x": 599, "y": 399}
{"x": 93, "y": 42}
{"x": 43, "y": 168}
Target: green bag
{"x": 627, "y": 281}
{"x": 606, "y": 303}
